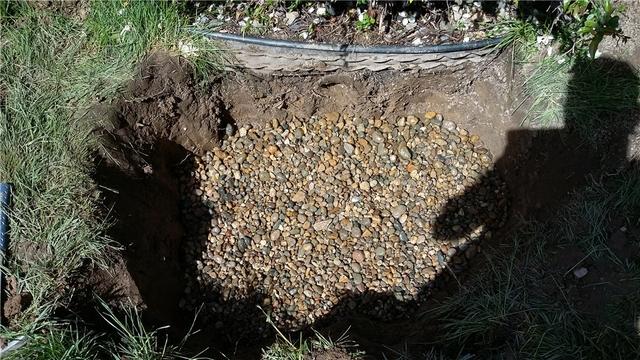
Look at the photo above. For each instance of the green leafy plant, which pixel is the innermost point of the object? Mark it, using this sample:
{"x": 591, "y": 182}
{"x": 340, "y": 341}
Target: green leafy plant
{"x": 258, "y": 14}
{"x": 366, "y": 23}
{"x": 362, "y": 2}
{"x": 591, "y": 21}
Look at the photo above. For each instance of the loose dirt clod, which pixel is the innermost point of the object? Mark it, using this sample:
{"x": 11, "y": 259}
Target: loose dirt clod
{"x": 307, "y": 213}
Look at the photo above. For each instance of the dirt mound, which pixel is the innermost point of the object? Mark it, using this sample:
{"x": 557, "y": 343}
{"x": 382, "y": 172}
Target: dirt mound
{"x": 163, "y": 103}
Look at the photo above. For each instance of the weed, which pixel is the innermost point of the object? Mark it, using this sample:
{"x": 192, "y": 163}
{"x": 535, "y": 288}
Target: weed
{"x": 286, "y": 349}
{"x": 258, "y": 18}
{"x": 584, "y": 221}
{"x": 134, "y": 341}
{"x": 365, "y": 23}
{"x": 520, "y": 305}
{"x": 296, "y": 4}
{"x": 58, "y": 342}
{"x": 55, "y": 224}
{"x": 65, "y": 341}
{"x": 589, "y": 21}
{"x": 580, "y": 94}
{"x": 520, "y": 34}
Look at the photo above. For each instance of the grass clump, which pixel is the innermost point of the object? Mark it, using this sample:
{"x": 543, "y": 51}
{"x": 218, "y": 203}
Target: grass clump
{"x": 580, "y": 94}
{"x": 127, "y": 338}
{"x": 60, "y": 342}
{"x": 45, "y": 153}
{"x": 519, "y": 34}
{"x": 53, "y": 69}
{"x": 286, "y": 349}
{"x": 134, "y": 341}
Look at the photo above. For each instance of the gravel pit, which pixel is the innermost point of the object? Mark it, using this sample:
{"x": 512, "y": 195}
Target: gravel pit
{"x": 357, "y": 182}
{"x": 301, "y": 215}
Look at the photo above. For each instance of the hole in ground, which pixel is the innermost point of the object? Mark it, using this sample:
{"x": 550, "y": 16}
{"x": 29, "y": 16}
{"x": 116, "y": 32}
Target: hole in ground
{"x": 169, "y": 249}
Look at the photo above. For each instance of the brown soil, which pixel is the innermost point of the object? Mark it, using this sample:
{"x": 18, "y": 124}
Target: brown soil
{"x": 164, "y": 117}
{"x": 333, "y": 354}
{"x": 73, "y": 8}
{"x": 14, "y": 301}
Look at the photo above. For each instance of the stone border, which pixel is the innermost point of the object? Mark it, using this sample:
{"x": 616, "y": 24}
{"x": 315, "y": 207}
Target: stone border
{"x": 281, "y": 56}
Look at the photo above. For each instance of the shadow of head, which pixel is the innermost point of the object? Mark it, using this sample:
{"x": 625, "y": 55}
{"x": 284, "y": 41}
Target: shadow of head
{"x": 599, "y": 110}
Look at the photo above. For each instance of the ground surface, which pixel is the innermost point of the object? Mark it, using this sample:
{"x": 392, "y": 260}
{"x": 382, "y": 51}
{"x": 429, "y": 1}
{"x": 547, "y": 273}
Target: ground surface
{"x": 371, "y": 202}
{"x": 168, "y": 118}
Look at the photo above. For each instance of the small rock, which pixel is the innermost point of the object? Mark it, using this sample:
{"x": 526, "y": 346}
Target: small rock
{"x": 357, "y": 278}
{"x": 377, "y": 137}
{"x": 358, "y": 256}
{"x": 449, "y": 125}
{"x": 322, "y": 225}
{"x": 580, "y": 272}
{"x": 299, "y": 196}
{"x": 403, "y": 151}
{"x": 332, "y": 117}
{"x": 470, "y": 252}
{"x": 228, "y": 130}
{"x": 398, "y": 211}
{"x": 291, "y": 17}
{"x": 348, "y": 148}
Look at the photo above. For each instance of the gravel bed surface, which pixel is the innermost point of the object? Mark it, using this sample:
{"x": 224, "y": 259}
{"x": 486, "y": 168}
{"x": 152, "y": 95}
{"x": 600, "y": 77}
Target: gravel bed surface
{"x": 307, "y": 213}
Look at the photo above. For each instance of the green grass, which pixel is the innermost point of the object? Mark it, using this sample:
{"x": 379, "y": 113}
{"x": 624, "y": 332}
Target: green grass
{"x": 53, "y": 69}
{"x": 580, "y": 94}
{"x": 518, "y": 304}
{"x": 305, "y": 347}
{"x": 134, "y": 341}
{"x": 519, "y": 34}
{"x": 127, "y": 339}
{"x": 60, "y": 342}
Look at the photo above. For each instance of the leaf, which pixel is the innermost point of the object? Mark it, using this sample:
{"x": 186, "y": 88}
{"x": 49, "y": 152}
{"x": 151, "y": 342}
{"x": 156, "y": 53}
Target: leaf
{"x": 593, "y": 45}
{"x": 585, "y": 30}
{"x": 608, "y": 7}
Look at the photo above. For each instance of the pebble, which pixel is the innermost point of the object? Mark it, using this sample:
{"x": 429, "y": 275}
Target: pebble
{"x": 398, "y": 211}
{"x": 580, "y": 272}
{"x": 403, "y": 151}
{"x": 449, "y": 125}
{"x": 299, "y": 196}
{"x": 358, "y": 256}
{"x": 306, "y": 212}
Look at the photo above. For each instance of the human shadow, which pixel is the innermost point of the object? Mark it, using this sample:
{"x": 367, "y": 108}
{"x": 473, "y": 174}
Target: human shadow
{"x": 600, "y": 112}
